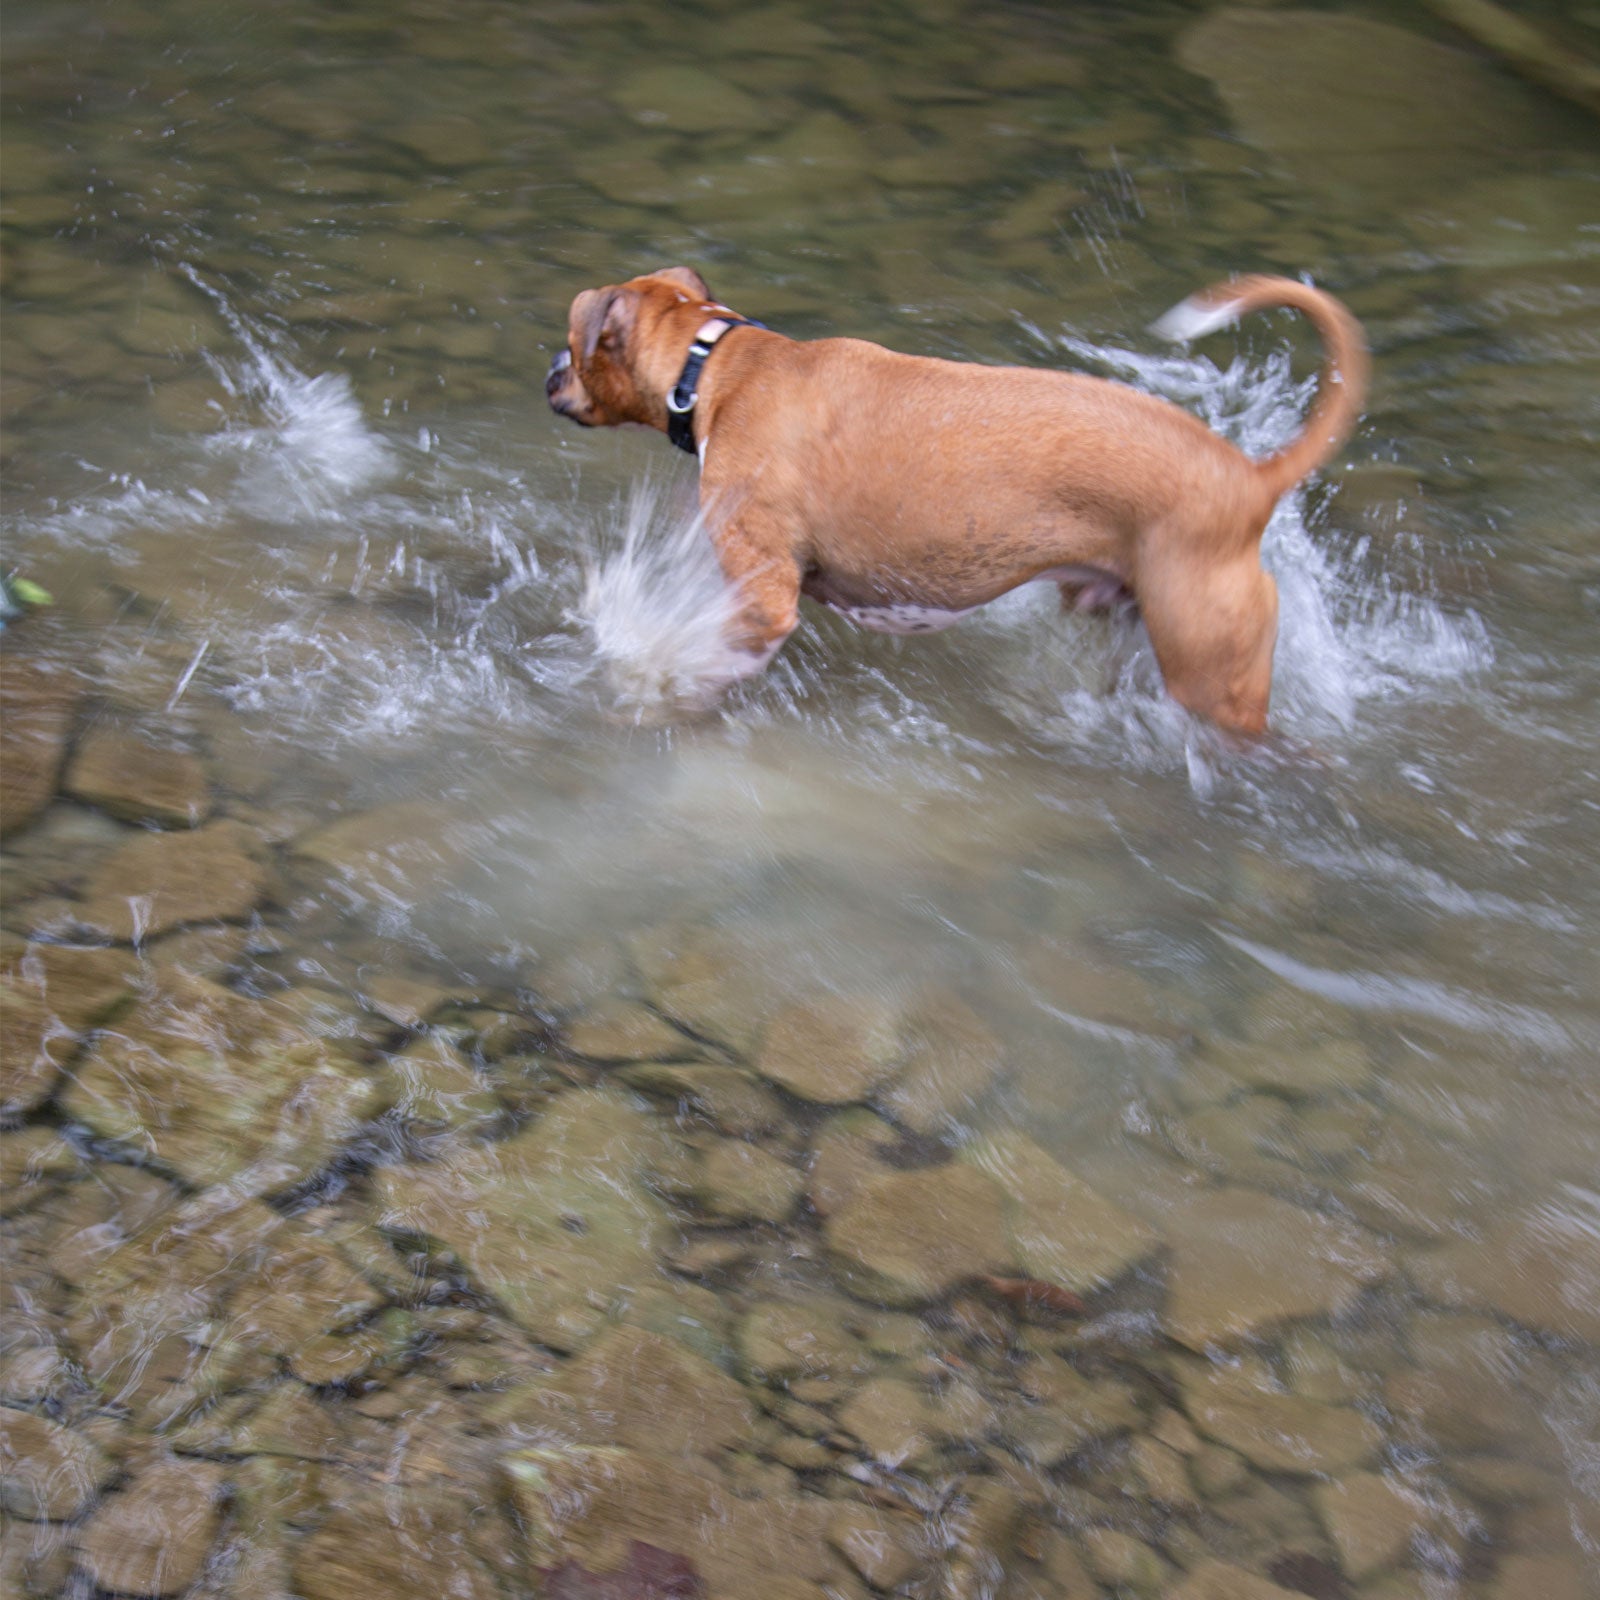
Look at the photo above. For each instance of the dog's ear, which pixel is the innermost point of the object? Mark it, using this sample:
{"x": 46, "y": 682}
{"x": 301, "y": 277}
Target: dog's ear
{"x": 686, "y": 278}
{"x": 598, "y": 313}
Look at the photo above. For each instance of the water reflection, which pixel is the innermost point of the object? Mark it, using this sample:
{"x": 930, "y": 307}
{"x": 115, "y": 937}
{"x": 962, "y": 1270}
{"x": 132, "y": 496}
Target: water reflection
{"x": 934, "y": 1121}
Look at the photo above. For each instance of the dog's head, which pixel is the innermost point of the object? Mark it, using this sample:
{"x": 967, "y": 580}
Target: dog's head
{"x": 625, "y": 348}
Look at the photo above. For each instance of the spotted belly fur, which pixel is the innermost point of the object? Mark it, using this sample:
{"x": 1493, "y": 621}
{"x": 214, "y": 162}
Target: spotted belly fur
{"x": 900, "y": 617}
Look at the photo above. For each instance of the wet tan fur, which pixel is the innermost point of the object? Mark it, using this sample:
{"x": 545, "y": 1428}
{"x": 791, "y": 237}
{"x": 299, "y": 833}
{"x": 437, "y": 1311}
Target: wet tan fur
{"x": 860, "y": 476}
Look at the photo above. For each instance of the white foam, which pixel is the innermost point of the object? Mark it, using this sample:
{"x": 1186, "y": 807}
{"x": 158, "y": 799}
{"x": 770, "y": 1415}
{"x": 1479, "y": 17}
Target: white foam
{"x": 1352, "y": 632}
{"x": 656, "y": 608}
{"x": 301, "y": 441}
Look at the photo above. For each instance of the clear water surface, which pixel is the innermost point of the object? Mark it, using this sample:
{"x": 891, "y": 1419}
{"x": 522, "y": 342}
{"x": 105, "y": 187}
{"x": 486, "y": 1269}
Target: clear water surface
{"x": 1319, "y": 1023}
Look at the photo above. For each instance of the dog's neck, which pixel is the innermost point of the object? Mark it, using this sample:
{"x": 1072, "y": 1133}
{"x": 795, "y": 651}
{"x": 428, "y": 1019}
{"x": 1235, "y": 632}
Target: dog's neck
{"x": 682, "y": 396}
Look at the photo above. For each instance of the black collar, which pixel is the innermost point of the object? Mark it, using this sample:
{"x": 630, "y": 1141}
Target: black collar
{"x": 681, "y": 400}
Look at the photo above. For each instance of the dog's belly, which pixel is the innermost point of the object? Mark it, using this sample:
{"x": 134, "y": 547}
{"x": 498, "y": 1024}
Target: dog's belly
{"x": 902, "y": 618}
{"x": 1096, "y": 590}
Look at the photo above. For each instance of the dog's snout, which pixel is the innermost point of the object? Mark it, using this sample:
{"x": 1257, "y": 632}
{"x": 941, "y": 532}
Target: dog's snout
{"x": 559, "y": 368}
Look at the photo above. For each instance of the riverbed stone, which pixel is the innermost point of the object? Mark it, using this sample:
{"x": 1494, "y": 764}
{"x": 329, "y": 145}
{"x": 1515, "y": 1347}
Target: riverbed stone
{"x": 559, "y": 1221}
{"x": 893, "y": 1420}
{"x": 595, "y": 1506}
{"x": 1540, "y": 1276}
{"x": 158, "y": 881}
{"x": 1059, "y": 1229}
{"x": 735, "y": 1181}
{"x": 303, "y": 1289}
{"x": 848, "y": 1150}
{"x": 48, "y": 1473}
{"x": 623, "y": 1030}
{"x": 1163, "y": 1473}
{"x": 136, "y": 781}
{"x": 1218, "y": 1471}
{"x": 34, "y": 1047}
{"x": 881, "y": 1546}
{"x": 833, "y": 1050}
{"x": 1066, "y": 1410}
{"x": 733, "y": 1100}
{"x": 779, "y": 1340}
{"x": 1371, "y": 1520}
{"x": 395, "y": 853}
{"x": 1125, "y": 1564}
{"x": 910, "y": 1237}
{"x": 1219, "y": 1580}
{"x": 636, "y": 1390}
{"x": 1244, "y": 1263}
{"x": 1278, "y": 1432}
{"x": 411, "y": 1544}
{"x": 1295, "y": 1063}
{"x": 952, "y": 1059}
{"x": 79, "y": 986}
{"x": 218, "y": 1087}
{"x": 1462, "y": 1390}
{"x": 1336, "y": 97}
{"x": 688, "y": 99}
{"x": 38, "y": 701}
{"x": 151, "y": 1537}
{"x": 434, "y": 1088}
{"x": 705, "y": 980}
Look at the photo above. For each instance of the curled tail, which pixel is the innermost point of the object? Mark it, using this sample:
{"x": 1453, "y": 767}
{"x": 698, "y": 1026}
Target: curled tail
{"x": 1341, "y": 385}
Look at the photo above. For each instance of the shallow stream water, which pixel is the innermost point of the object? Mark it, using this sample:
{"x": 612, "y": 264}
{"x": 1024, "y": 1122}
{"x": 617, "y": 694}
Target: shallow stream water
{"x": 472, "y": 1128}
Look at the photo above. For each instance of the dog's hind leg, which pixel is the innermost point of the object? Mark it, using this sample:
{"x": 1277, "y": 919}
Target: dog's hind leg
{"x": 1214, "y": 633}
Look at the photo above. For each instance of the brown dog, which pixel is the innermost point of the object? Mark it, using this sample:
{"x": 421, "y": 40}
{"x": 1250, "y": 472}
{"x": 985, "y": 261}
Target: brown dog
{"x": 905, "y": 491}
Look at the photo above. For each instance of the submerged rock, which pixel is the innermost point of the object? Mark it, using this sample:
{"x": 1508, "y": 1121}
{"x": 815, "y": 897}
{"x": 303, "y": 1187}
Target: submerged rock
{"x": 592, "y": 1506}
{"x": 688, "y": 99}
{"x": 705, "y": 981}
{"x": 151, "y": 1538}
{"x": 1066, "y": 1411}
{"x": 1371, "y": 1520}
{"x": 1217, "y": 1580}
{"x": 635, "y": 1389}
{"x": 1244, "y": 1263}
{"x": 556, "y": 1223}
{"x": 893, "y": 1420}
{"x": 622, "y": 1030}
{"x": 303, "y": 1289}
{"x": 217, "y": 1087}
{"x": 1540, "y": 1270}
{"x": 910, "y": 1237}
{"x": 48, "y": 1473}
{"x": 407, "y": 1544}
{"x": 435, "y": 1088}
{"x": 1278, "y": 1432}
{"x": 882, "y": 1547}
{"x": 783, "y": 1339}
{"x": 849, "y": 1149}
{"x": 1354, "y": 104}
{"x": 1059, "y": 1230}
{"x": 136, "y": 781}
{"x": 833, "y": 1051}
{"x": 158, "y": 881}
{"x": 951, "y": 1060}
{"x": 37, "y": 706}
{"x": 733, "y": 1100}
{"x": 740, "y": 1182}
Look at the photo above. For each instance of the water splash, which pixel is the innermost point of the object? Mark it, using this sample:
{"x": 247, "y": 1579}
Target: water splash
{"x": 1348, "y": 635}
{"x": 311, "y": 448}
{"x": 655, "y": 608}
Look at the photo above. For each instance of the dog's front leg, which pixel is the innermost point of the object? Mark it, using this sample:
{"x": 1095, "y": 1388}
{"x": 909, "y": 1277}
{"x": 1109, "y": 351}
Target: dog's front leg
{"x": 766, "y": 578}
